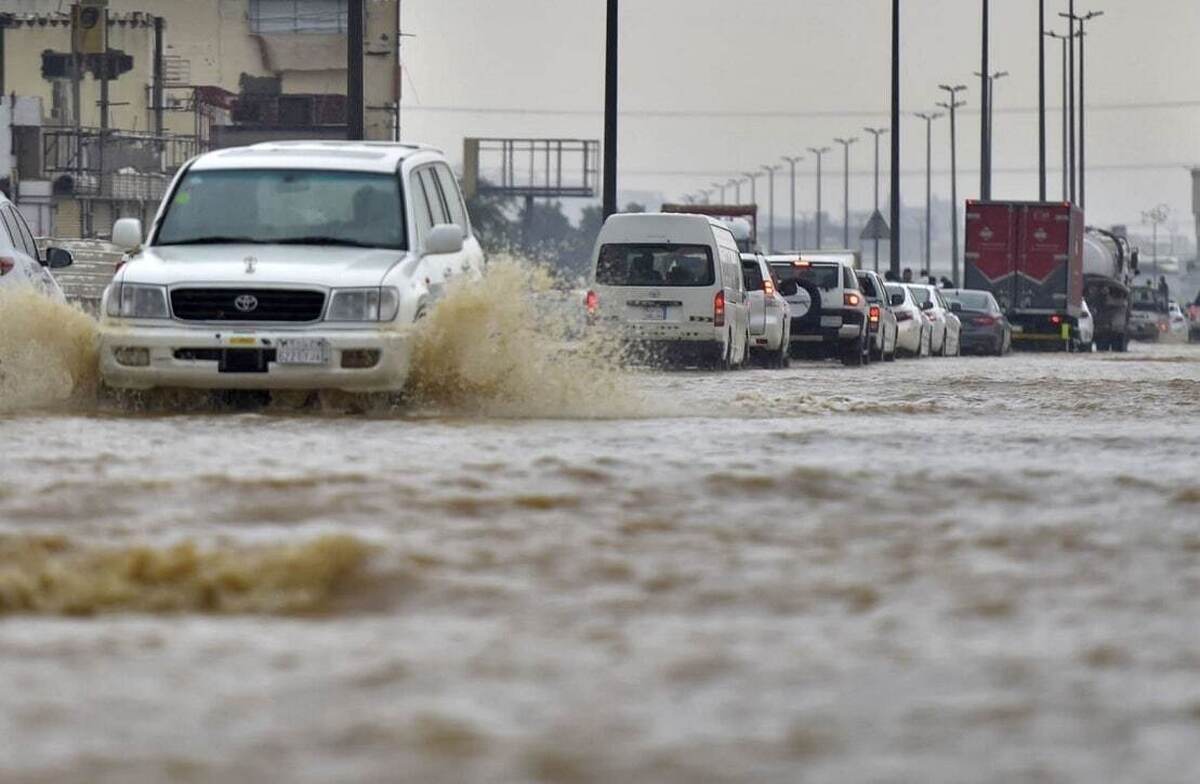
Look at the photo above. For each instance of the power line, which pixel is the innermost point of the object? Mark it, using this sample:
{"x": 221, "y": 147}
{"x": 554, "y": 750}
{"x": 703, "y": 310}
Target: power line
{"x": 772, "y": 114}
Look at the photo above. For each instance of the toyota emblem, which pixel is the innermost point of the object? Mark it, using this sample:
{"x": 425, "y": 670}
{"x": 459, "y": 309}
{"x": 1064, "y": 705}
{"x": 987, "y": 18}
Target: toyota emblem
{"x": 246, "y": 303}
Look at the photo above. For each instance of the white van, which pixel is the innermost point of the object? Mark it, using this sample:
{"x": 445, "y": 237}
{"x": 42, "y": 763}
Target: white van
{"x": 671, "y": 285}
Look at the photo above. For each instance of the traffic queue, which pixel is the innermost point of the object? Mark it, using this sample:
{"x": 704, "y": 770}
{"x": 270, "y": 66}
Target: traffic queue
{"x": 691, "y": 289}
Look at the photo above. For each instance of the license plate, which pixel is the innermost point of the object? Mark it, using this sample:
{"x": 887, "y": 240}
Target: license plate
{"x": 831, "y": 321}
{"x": 1017, "y": 329}
{"x": 654, "y": 314}
{"x": 301, "y": 351}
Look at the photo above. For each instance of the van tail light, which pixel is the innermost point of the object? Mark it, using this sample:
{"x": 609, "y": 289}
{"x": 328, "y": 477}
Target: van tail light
{"x": 769, "y": 288}
{"x": 592, "y": 303}
{"x": 903, "y": 315}
{"x": 852, "y": 300}
{"x": 984, "y": 321}
{"x": 719, "y": 309}
{"x": 6, "y": 265}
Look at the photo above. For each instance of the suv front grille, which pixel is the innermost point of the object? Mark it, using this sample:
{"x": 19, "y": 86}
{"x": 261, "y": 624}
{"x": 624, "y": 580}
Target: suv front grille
{"x": 286, "y": 305}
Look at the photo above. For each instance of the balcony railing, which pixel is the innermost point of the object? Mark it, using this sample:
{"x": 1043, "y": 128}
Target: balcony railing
{"x": 114, "y": 163}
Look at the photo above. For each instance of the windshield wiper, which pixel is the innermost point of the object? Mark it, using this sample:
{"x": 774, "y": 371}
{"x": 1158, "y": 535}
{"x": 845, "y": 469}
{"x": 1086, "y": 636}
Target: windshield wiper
{"x": 216, "y": 240}
{"x": 322, "y": 240}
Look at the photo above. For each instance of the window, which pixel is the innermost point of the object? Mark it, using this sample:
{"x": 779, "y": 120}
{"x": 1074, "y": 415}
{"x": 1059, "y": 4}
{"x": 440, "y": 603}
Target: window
{"x": 824, "y": 276}
{"x": 282, "y": 17}
{"x": 752, "y": 275}
{"x": 437, "y": 204}
{"x": 454, "y": 204}
{"x": 24, "y": 238}
{"x": 295, "y": 206}
{"x": 849, "y": 279}
{"x": 10, "y": 232}
{"x": 422, "y": 212}
{"x": 867, "y": 284}
{"x": 655, "y": 265}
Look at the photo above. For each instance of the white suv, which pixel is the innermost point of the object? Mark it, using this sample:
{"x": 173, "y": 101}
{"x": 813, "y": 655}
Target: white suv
{"x": 20, "y": 262}
{"x": 829, "y": 308}
{"x": 294, "y": 265}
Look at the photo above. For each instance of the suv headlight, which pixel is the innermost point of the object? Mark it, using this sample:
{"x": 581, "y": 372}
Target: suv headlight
{"x": 131, "y": 300}
{"x": 375, "y": 304}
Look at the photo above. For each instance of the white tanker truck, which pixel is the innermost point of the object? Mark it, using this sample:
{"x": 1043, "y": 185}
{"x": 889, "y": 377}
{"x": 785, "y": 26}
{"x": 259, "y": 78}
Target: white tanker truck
{"x": 1109, "y": 265}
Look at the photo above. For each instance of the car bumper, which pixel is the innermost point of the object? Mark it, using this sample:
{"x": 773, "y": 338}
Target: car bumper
{"x": 171, "y": 359}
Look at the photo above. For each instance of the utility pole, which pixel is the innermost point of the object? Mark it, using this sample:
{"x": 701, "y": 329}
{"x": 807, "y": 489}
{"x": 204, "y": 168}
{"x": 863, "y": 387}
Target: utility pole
{"x": 820, "y": 153}
{"x": 770, "y": 170}
{"x": 953, "y": 105}
{"x": 1066, "y": 174}
{"x": 355, "y": 52}
{"x": 1070, "y": 16}
{"x": 929, "y": 118}
{"x": 876, "y": 132}
{"x": 985, "y": 144}
{"x": 1083, "y": 20}
{"x": 1041, "y": 100}
{"x": 894, "y": 264}
{"x": 610, "y": 112}
{"x": 846, "y": 194}
{"x": 792, "y": 160}
{"x": 990, "y": 116}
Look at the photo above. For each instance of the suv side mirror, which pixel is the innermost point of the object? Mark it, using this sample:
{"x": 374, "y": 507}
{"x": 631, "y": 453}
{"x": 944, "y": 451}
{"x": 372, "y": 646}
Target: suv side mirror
{"x": 57, "y": 258}
{"x": 956, "y": 307}
{"x": 789, "y": 288}
{"x": 127, "y": 234}
{"x": 444, "y": 238}
{"x": 897, "y": 300}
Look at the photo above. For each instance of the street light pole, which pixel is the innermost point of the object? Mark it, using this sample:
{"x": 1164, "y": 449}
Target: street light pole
{"x": 1066, "y": 174}
{"x": 1041, "y": 100}
{"x": 985, "y": 144}
{"x": 894, "y": 208}
{"x": 928, "y": 118}
{"x": 846, "y": 194}
{"x": 1070, "y": 17}
{"x": 952, "y": 105}
{"x": 792, "y": 161}
{"x": 737, "y": 190}
{"x": 720, "y": 187}
{"x": 610, "y": 112}
{"x": 820, "y": 153}
{"x": 1083, "y": 107}
{"x": 990, "y": 118}
{"x": 876, "y": 132}
{"x": 770, "y": 170}
{"x": 753, "y": 178}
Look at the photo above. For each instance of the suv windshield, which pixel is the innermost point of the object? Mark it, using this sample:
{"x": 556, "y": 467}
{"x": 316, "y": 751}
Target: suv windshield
{"x": 823, "y": 276}
{"x": 655, "y": 265}
{"x": 357, "y": 209}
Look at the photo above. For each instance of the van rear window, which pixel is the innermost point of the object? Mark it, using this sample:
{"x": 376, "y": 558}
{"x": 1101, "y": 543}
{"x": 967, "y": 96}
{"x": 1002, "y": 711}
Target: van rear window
{"x": 640, "y": 264}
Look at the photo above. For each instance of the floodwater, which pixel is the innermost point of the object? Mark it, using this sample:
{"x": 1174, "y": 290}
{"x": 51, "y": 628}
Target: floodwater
{"x": 980, "y": 570}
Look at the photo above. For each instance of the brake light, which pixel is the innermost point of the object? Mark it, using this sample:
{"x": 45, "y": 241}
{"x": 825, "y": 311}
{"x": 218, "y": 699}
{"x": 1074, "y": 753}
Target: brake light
{"x": 592, "y": 303}
{"x": 984, "y": 321}
{"x": 719, "y": 309}
{"x": 769, "y": 288}
{"x": 6, "y": 265}
{"x": 799, "y": 263}
{"x": 1162, "y": 326}
{"x": 874, "y": 315}
{"x": 852, "y": 300}
{"x": 1056, "y": 320}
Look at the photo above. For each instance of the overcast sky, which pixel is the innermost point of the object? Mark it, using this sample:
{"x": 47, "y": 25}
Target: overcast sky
{"x": 804, "y": 72}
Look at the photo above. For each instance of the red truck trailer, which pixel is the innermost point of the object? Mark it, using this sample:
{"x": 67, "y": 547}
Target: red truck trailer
{"x": 1030, "y": 256}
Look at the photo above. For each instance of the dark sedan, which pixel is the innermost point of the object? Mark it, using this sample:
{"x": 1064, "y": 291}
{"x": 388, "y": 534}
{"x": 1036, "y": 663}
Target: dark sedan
{"x": 985, "y": 330}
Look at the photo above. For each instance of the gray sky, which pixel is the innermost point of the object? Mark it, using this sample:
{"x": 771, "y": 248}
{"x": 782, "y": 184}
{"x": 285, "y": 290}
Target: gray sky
{"x": 813, "y": 70}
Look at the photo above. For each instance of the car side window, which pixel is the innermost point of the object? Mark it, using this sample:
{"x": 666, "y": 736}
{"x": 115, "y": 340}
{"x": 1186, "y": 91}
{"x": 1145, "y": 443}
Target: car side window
{"x": 433, "y": 195}
{"x": 26, "y": 234}
{"x": 10, "y": 232}
{"x": 420, "y": 205}
{"x": 850, "y": 280}
{"x": 453, "y": 198}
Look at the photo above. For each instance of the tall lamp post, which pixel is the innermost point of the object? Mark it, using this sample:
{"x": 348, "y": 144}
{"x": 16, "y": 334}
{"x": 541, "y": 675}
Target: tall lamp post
{"x": 770, "y": 170}
{"x": 894, "y": 207}
{"x": 985, "y": 140}
{"x": 753, "y": 178}
{"x": 929, "y": 118}
{"x": 1083, "y": 20}
{"x": 876, "y": 132}
{"x": 1066, "y": 162}
{"x": 737, "y": 190}
{"x": 820, "y": 153}
{"x": 1070, "y": 17}
{"x": 720, "y": 188}
{"x": 990, "y": 119}
{"x": 846, "y": 193}
{"x": 792, "y": 160}
{"x": 1041, "y": 100}
{"x": 952, "y": 105}
{"x": 610, "y": 112}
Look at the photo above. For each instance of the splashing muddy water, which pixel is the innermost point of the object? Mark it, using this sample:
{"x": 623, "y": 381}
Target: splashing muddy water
{"x": 47, "y": 352}
{"x": 942, "y": 570}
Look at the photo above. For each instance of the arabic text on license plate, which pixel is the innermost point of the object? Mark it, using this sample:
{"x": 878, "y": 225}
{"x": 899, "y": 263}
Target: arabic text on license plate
{"x": 831, "y": 321}
{"x": 301, "y": 351}
{"x": 654, "y": 314}
{"x": 1017, "y": 328}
